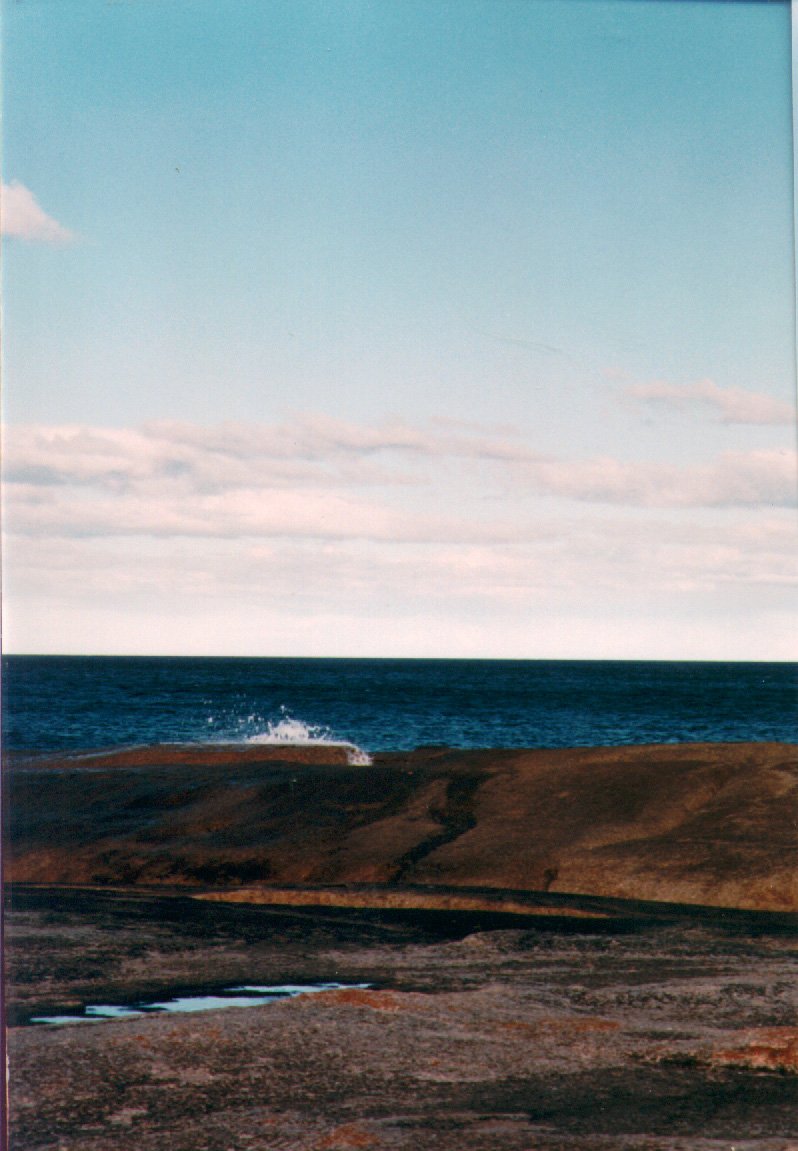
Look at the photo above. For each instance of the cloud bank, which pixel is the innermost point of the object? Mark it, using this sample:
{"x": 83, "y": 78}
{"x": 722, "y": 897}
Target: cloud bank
{"x": 318, "y": 535}
{"x": 730, "y": 405}
{"x": 327, "y": 479}
{"x": 22, "y": 217}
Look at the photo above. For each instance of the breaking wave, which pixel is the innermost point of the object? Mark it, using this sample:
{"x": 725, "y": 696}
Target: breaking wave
{"x": 297, "y": 733}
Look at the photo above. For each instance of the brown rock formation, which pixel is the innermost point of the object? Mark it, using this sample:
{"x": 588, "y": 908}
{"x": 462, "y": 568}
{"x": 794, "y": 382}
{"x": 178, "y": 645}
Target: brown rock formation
{"x": 707, "y": 824}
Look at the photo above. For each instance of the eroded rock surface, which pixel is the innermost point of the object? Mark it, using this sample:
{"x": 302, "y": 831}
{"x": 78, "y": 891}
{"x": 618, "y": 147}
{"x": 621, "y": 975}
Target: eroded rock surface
{"x": 671, "y": 1035}
{"x": 572, "y": 949}
{"x": 705, "y": 824}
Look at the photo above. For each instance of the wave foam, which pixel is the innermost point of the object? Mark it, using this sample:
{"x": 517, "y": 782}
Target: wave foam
{"x": 295, "y": 732}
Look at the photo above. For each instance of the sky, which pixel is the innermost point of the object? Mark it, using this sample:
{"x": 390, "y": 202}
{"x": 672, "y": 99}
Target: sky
{"x": 399, "y": 328}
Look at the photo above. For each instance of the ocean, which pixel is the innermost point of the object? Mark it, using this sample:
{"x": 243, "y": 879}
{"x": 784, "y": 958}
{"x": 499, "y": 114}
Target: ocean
{"x": 70, "y": 703}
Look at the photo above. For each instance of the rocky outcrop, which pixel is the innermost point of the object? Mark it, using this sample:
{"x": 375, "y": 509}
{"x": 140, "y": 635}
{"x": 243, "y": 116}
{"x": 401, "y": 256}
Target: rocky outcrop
{"x": 711, "y": 824}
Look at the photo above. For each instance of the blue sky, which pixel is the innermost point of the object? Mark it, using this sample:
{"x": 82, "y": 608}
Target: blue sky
{"x": 399, "y": 327}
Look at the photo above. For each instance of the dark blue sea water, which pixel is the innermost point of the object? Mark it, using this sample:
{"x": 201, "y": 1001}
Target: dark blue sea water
{"x": 60, "y": 702}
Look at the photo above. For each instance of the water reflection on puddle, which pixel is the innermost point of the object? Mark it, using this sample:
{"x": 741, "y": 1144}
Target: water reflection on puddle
{"x": 257, "y": 996}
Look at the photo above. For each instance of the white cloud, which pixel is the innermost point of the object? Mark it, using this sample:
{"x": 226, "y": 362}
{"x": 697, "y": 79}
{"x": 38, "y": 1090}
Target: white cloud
{"x": 731, "y": 405}
{"x": 581, "y": 586}
{"x": 309, "y": 449}
{"x": 21, "y": 216}
{"x": 257, "y": 513}
{"x": 319, "y": 479}
{"x": 576, "y": 558}
{"x": 323, "y": 536}
{"x": 734, "y": 479}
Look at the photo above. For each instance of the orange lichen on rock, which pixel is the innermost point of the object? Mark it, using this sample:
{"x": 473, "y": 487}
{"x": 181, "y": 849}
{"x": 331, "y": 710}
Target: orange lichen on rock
{"x": 768, "y": 1048}
{"x": 580, "y": 1025}
{"x": 355, "y": 997}
{"x": 369, "y": 896}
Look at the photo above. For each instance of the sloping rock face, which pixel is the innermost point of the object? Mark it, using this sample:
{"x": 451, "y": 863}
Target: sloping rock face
{"x": 711, "y": 824}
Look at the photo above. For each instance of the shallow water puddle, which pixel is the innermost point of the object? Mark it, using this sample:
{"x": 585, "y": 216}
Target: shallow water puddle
{"x": 258, "y": 996}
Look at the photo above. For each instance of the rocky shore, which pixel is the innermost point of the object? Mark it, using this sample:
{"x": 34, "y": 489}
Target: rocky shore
{"x": 584, "y": 949}
{"x": 615, "y": 1033}
{"x": 689, "y": 823}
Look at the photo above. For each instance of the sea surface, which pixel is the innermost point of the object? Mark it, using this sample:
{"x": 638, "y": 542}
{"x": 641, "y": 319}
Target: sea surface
{"x": 54, "y": 703}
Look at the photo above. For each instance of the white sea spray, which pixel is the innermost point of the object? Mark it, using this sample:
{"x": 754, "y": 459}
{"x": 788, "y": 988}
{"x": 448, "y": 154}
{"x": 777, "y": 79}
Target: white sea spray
{"x": 296, "y": 733}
